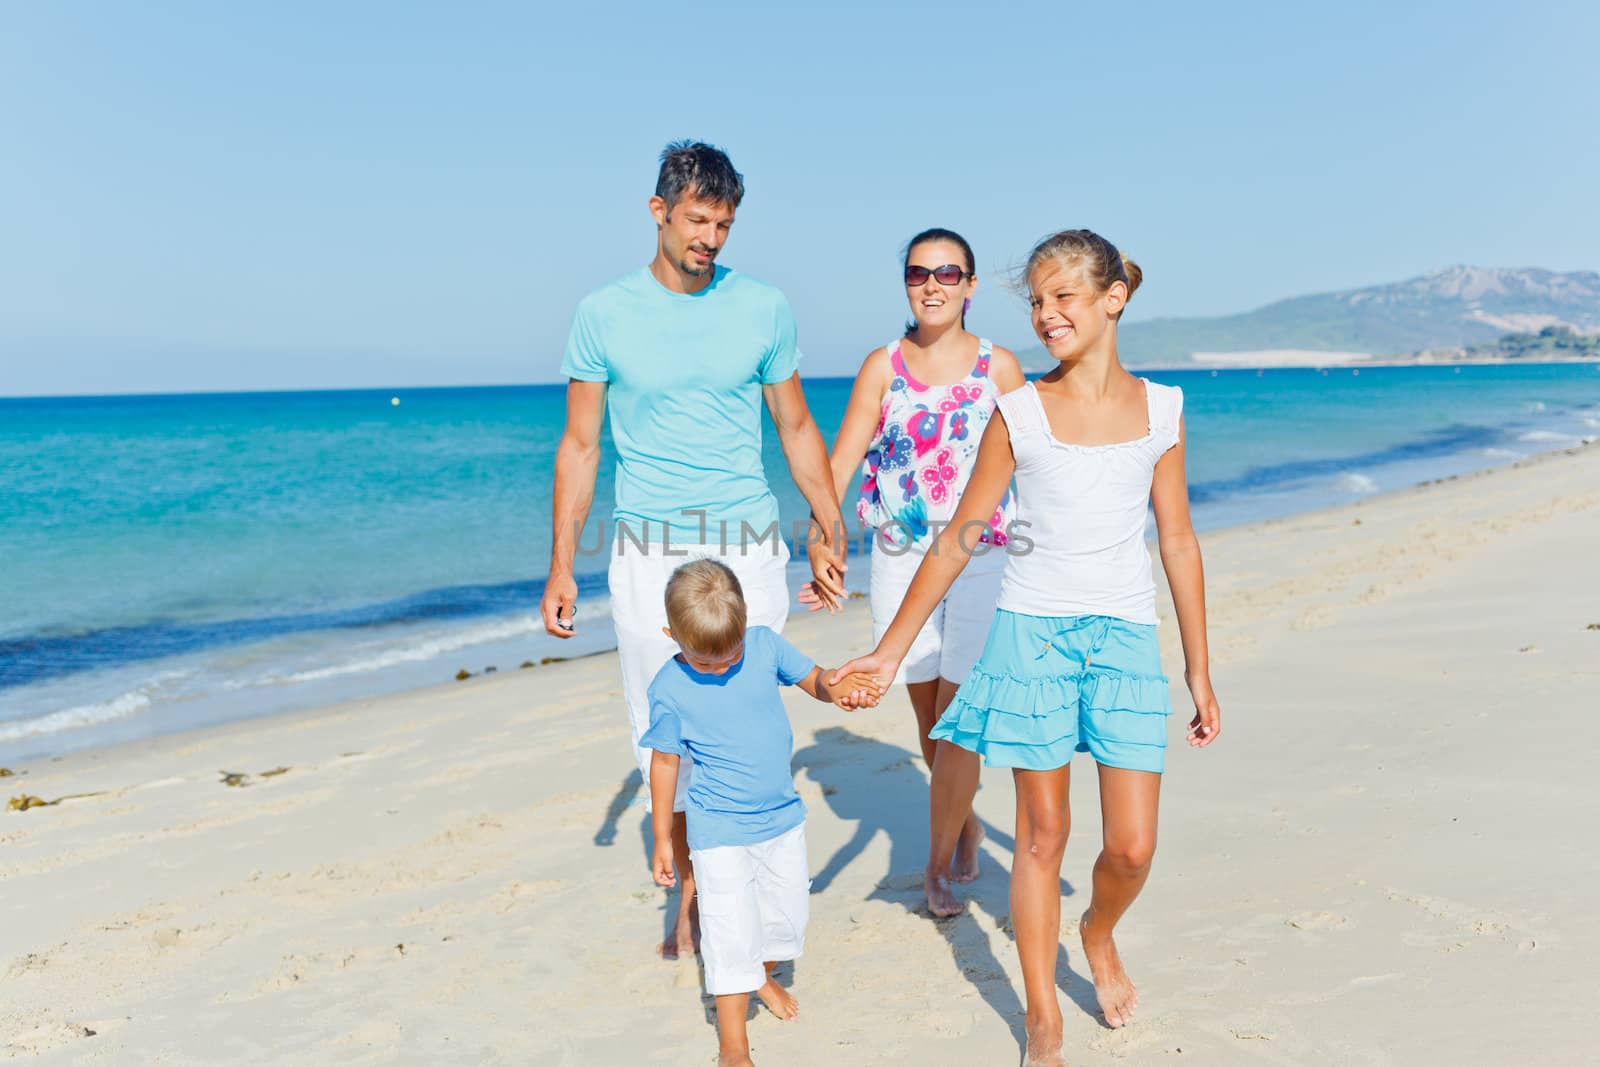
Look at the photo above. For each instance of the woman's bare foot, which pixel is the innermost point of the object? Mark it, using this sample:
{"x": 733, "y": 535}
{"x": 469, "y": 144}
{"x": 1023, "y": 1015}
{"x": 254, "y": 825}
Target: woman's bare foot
{"x": 779, "y": 1000}
{"x": 685, "y": 937}
{"x": 943, "y": 903}
{"x": 1044, "y": 1045}
{"x": 1112, "y": 987}
{"x": 964, "y": 864}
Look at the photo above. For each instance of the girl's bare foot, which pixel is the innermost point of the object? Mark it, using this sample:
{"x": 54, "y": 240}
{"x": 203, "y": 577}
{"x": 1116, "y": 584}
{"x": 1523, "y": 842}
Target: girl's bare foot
{"x": 779, "y": 1000}
{"x": 1112, "y": 987}
{"x": 734, "y": 1059}
{"x": 943, "y": 903}
{"x": 1044, "y": 1045}
{"x": 964, "y": 864}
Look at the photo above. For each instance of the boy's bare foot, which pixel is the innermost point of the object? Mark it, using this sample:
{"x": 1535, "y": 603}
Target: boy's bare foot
{"x": 964, "y": 864}
{"x": 779, "y": 1000}
{"x": 1112, "y": 987}
{"x": 1044, "y": 1046}
{"x": 943, "y": 903}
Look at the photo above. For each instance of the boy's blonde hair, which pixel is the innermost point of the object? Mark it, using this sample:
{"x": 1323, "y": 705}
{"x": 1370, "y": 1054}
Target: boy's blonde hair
{"x": 705, "y": 608}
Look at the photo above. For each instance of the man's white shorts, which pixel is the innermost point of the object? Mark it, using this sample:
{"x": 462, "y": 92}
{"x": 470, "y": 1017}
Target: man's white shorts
{"x": 638, "y": 580}
{"x": 950, "y": 642}
{"x": 755, "y": 901}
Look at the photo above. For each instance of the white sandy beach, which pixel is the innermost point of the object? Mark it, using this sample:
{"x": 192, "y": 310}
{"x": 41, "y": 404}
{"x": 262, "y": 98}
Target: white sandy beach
{"x": 1383, "y": 860}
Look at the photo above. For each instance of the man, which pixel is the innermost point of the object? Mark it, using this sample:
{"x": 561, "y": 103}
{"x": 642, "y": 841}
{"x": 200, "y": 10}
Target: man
{"x": 683, "y": 351}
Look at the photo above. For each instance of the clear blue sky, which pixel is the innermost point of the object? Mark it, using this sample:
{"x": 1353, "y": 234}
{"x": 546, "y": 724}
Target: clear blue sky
{"x": 232, "y": 196}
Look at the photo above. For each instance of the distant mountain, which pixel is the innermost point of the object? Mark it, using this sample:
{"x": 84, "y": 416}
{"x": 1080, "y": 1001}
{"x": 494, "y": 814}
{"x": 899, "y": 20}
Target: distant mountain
{"x": 1454, "y": 308}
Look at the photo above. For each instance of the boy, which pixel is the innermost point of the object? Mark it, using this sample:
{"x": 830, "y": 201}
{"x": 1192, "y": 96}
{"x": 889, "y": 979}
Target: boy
{"x": 718, "y": 702}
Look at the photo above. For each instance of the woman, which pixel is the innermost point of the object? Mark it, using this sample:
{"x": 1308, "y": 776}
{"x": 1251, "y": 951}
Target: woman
{"x": 916, "y": 414}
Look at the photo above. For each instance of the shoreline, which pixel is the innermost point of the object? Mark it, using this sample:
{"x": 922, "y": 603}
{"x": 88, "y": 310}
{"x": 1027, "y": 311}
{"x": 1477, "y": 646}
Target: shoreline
{"x": 1392, "y": 806}
{"x": 488, "y": 654}
{"x": 513, "y": 675}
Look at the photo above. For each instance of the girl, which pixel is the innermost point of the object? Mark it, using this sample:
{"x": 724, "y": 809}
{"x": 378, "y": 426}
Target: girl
{"x": 1071, "y": 662}
{"x": 917, "y": 412}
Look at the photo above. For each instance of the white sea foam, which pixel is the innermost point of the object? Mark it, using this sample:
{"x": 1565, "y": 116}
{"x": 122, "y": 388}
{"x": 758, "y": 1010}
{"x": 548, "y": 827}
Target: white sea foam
{"x": 1536, "y": 406}
{"x": 1501, "y": 453}
{"x": 77, "y": 718}
{"x": 1356, "y": 483}
{"x": 424, "y": 649}
{"x": 1548, "y": 437}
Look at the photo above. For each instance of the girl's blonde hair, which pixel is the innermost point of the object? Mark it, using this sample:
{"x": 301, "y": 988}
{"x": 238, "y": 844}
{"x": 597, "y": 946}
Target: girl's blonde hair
{"x": 1099, "y": 258}
{"x": 705, "y": 608}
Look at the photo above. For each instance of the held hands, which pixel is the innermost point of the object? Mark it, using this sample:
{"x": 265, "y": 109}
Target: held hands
{"x": 856, "y": 690}
{"x": 826, "y": 555}
{"x": 810, "y": 597}
{"x": 877, "y": 668}
{"x": 1207, "y": 721}
{"x": 661, "y": 864}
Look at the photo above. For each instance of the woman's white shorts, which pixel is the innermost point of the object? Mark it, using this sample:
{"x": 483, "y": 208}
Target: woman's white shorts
{"x": 950, "y": 642}
{"x": 755, "y": 901}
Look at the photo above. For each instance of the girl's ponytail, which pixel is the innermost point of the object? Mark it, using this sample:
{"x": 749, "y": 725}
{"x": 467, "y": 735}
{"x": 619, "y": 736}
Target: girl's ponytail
{"x": 1134, "y": 274}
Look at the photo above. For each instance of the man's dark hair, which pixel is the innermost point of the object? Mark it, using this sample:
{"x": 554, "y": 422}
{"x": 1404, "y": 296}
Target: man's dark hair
{"x": 700, "y": 171}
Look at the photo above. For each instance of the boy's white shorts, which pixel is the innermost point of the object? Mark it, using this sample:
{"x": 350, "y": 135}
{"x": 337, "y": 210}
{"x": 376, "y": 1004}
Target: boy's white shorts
{"x": 950, "y": 642}
{"x": 638, "y": 581}
{"x": 755, "y": 901}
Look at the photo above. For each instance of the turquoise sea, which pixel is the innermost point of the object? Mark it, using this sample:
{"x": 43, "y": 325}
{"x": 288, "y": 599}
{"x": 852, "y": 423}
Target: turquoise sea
{"x": 171, "y": 561}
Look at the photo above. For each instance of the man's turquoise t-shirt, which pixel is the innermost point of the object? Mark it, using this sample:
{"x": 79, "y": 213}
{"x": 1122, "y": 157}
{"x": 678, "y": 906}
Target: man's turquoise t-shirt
{"x": 733, "y": 726}
{"x": 684, "y": 373}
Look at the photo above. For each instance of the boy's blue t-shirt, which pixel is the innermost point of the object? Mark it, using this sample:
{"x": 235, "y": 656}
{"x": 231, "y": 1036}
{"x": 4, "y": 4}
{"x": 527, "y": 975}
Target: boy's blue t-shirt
{"x": 741, "y": 787}
{"x": 684, "y": 373}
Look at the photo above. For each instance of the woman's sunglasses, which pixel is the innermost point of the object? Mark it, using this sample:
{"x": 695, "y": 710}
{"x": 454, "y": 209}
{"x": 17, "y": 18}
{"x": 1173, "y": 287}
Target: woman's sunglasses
{"x": 949, "y": 274}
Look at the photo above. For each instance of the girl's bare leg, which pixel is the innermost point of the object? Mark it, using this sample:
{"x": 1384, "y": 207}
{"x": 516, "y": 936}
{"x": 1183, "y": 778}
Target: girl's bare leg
{"x": 953, "y": 831}
{"x": 1043, "y": 820}
{"x": 1128, "y": 803}
{"x": 733, "y": 1042}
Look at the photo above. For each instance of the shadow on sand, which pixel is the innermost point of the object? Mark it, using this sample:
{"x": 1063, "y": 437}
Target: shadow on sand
{"x": 897, "y": 806}
{"x": 629, "y": 794}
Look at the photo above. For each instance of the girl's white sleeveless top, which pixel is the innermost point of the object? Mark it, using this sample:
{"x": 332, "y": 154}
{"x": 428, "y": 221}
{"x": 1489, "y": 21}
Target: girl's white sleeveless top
{"x": 1086, "y": 509}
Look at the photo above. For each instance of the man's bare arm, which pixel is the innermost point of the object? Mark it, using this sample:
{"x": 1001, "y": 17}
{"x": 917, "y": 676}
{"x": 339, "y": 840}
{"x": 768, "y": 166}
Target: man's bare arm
{"x": 577, "y": 464}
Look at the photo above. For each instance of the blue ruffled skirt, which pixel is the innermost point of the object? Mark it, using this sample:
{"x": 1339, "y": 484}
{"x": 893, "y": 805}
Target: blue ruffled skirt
{"x": 1048, "y": 687}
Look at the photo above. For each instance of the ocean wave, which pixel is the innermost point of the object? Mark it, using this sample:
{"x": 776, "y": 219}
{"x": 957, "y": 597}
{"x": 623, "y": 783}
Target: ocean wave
{"x": 1548, "y": 437}
{"x": 121, "y": 707}
{"x": 1356, "y": 483}
{"x": 1449, "y": 441}
{"x": 1502, "y": 453}
{"x": 40, "y": 657}
{"x": 425, "y": 650}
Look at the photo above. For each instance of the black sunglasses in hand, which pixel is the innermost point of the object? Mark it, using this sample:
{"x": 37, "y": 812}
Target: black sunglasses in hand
{"x": 949, "y": 274}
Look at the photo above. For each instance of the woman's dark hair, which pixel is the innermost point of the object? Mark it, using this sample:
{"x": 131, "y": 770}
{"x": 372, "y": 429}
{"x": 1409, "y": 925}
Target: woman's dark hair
{"x": 698, "y": 170}
{"x": 939, "y": 233}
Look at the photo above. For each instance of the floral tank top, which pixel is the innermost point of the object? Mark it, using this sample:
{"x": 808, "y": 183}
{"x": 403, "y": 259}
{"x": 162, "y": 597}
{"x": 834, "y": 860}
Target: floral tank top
{"x": 922, "y": 454}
